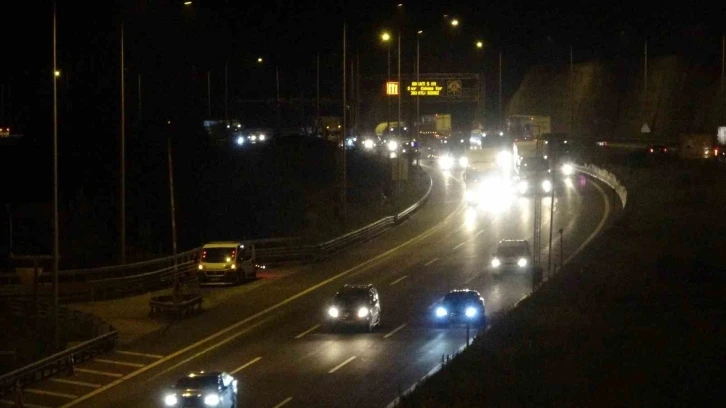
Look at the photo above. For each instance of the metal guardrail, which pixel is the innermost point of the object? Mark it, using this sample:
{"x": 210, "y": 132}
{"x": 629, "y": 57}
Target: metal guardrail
{"x": 104, "y": 340}
{"x": 124, "y": 280}
{"x": 607, "y": 178}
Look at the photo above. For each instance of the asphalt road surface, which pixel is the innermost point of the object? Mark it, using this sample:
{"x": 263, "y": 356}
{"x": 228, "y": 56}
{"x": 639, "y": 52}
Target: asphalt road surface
{"x": 272, "y": 337}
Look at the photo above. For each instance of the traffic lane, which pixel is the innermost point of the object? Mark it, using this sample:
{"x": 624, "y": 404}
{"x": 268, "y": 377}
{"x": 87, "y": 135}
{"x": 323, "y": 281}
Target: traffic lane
{"x": 444, "y": 199}
{"x": 362, "y": 352}
{"x": 185, "y": 332}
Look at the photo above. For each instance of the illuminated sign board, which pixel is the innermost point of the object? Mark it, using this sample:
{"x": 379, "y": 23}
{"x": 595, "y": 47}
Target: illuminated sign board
{"x": 425, "y": 88}
{"x": 391, "y": 88}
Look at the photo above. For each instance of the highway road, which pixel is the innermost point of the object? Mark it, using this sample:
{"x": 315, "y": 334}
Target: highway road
{"x": 271, "y": 335}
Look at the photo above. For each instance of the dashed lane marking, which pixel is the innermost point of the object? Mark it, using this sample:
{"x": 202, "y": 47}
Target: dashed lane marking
{"x": 285, "y": 401}
{"x": 394, "y": 331}
{"x": 123, "y": 363}
{"x": 74, "y": 382}
{"x": 245, "y": 365}
{"x": 51, "y": 393}
{"x": 336, "y": 368}
{"x": 307, "y": 331}
{"x": 133, "y": 353}
{"x": 399, "y": 279}
{"x": 106, "y": 373}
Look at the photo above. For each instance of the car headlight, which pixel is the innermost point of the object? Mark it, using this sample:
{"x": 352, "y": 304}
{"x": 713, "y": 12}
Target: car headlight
{"x": 368, "y": 144}
{"x": 363, "y": 312}
{"x": 567, "y": 169}
{"x": 170, "y": 400}
{"x": 446, "y": 162}
{"x": 200, "y": 267}
{"x": 262, "y": 137}
{"x": 463, "y": 161}
{"x": 333, "y": 312}
{"x": 469, "y": 195}
{"x": 241, "y": 140}
{"x": 470, "y": 311}
{"x": 440, "y": 312}
{"x": 504, "y": 158}
{"x": 523, "y": 186}
{"x": 547, "y": 186}
{"x": 211, "y": 400}
{"x": 392, "y": 146}
{"x": 496, "y": 262}
{"x": 522, "y": 262}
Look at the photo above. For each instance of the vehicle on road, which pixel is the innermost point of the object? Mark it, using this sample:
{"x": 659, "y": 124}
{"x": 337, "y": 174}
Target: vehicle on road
{"x": 534, "y": 173}
{"x": 203, "y": 389}
{"x": 355, "y": 306}
{"x": 227, "y": 262}
{"x": 512, "y": 255}
{"x": 461, "y": 306}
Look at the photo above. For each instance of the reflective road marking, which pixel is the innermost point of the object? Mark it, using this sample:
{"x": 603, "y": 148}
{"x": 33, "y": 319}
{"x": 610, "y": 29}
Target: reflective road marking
{"x": 307, "y": 331}
{"x": 394, "y": 331}
{"x": 341, "y": 365}
{"x": 245, "y": 365}
{"x": 399, "y": 279}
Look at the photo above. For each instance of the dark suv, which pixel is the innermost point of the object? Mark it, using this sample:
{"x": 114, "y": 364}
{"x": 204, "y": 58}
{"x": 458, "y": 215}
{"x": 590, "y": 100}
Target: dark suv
{"x": 461, "y": 306}
{"x": 355, "y": 305}
{"x": 203, "y": 389}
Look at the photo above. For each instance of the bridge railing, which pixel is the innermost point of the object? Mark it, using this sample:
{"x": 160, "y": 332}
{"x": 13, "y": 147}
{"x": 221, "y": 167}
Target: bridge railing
{"x": 126, "y": 280}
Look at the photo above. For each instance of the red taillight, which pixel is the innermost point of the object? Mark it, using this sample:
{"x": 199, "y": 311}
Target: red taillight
{"x": 651, "y": 150}
{"x": 204, "y": 254}
{"x": 234, "y": 253}
{"x": 665, "y": 150}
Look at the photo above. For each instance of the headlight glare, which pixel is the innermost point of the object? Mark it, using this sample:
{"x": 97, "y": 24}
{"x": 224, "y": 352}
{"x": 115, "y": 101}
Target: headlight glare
{"x": 363, "y": 312}
{"x": 496, "y": 262}
{"x": 567, "y": 169}
{"x": 211, "y": 400}
{"x": 463, "y": 161}
{"x": 470, "y": 311}
{"x": 333, "y": 312}
{"x": 522, "y": 262}
{"x": 170, "y": 400}
{"x": 440, "y": 312}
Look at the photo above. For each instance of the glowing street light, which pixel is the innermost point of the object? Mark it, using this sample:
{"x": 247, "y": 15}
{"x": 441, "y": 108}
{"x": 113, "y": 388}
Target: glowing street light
{"x": 56, "y": 73}
{"x": 454, "y": 22}
{"x": 479, "y": 44}
{"x": 187, "y": 3}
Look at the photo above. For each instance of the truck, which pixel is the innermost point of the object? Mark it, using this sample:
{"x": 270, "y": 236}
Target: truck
{"x": 527, "y": 127}
{"x": 437, "y": 126}
{"x": 697, "y": 145}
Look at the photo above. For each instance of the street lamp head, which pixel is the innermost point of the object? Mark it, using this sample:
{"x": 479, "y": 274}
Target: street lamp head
{"x": 479, "y": 44}
{"x": 420, "y": 32}
{"x": 385, "y": 36}
{"x": 454, "y": 22}
{"x": 259, "y": 59}
{"x": 56, "y": 73}
{"x": 187, "y": 3}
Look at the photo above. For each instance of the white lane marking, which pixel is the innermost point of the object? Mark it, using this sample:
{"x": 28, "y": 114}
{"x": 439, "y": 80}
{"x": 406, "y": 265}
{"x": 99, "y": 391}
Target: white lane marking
{"x": 210, "y": 348}
{"x": 307, "y": 331}
{"x": 246, "y": 320}
{"x": 471, "y": 279}
{"x": 25, "y": 404}
{"x": 399, "y": 279}
{"x": 133, "y": 353}
{"x": 436, "y": 302}
{"x": 479, "y": 233}
{"x": 285, "y": 401}
{"x": 599, "y": 226}
{"x": 74, "y": 382}
{"x": 395, "y": 402}
{"x": 456, "y": 247}
{"x": 431, "y": 261}
{"x": 51, "y": 393}
{"x": 123, "y": 363}
{"x": 341, "y": 365}
{"x": 394, "y": 331}
{"x": 106, "y": 373}
{"x": 245, "y": 365}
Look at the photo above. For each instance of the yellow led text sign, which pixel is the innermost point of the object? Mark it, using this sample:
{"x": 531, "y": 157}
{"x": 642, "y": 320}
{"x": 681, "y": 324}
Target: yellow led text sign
{"x": 424, "y": 88}
{"x": 391, "y": 88}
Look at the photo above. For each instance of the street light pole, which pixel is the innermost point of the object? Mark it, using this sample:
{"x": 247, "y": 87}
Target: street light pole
{"x": 175, "y": 290}
{"x": 123, "y": 154}
{"x": 418, "y": 73}
{"x": 398, "y": 157}
{"x": 344, "y": 197}
{"x": 209, "y": 94}
{"x": 500, "y": 92}
{"x": 388, "y": 78}
{"x": 56, "y": 334}
{"x": 10, "y": 228}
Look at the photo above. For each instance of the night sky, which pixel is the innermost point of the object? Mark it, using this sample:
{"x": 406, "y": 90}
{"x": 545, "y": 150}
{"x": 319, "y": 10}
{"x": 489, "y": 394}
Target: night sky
{"x": 170, "y": 49}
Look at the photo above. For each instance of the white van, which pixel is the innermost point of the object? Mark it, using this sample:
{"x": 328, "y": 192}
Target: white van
{"x": 227, "y": 262}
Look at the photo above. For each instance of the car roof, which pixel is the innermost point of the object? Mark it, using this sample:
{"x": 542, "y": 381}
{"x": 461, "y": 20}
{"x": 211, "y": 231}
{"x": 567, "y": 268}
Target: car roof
{"x": 513, "y": 242}
{"x": 222, "y": 244}
{"x": 204, "y": 373}
{"x": 462, "y": 292}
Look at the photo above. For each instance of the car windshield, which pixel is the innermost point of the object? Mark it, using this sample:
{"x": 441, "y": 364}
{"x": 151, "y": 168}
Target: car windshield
{"x": 349, "y": 298}
{"x": 219, "y": 254}
{"x": 511, "y": 251}
{"x": 197, "y": 382}
{"x": 532, "y": 164}
{"x": 459, "y": 299}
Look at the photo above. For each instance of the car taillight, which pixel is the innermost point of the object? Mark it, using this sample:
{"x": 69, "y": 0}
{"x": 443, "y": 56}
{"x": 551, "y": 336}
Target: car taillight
{"x": 651, "y": 150}
{"x": 204, "y": 254}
